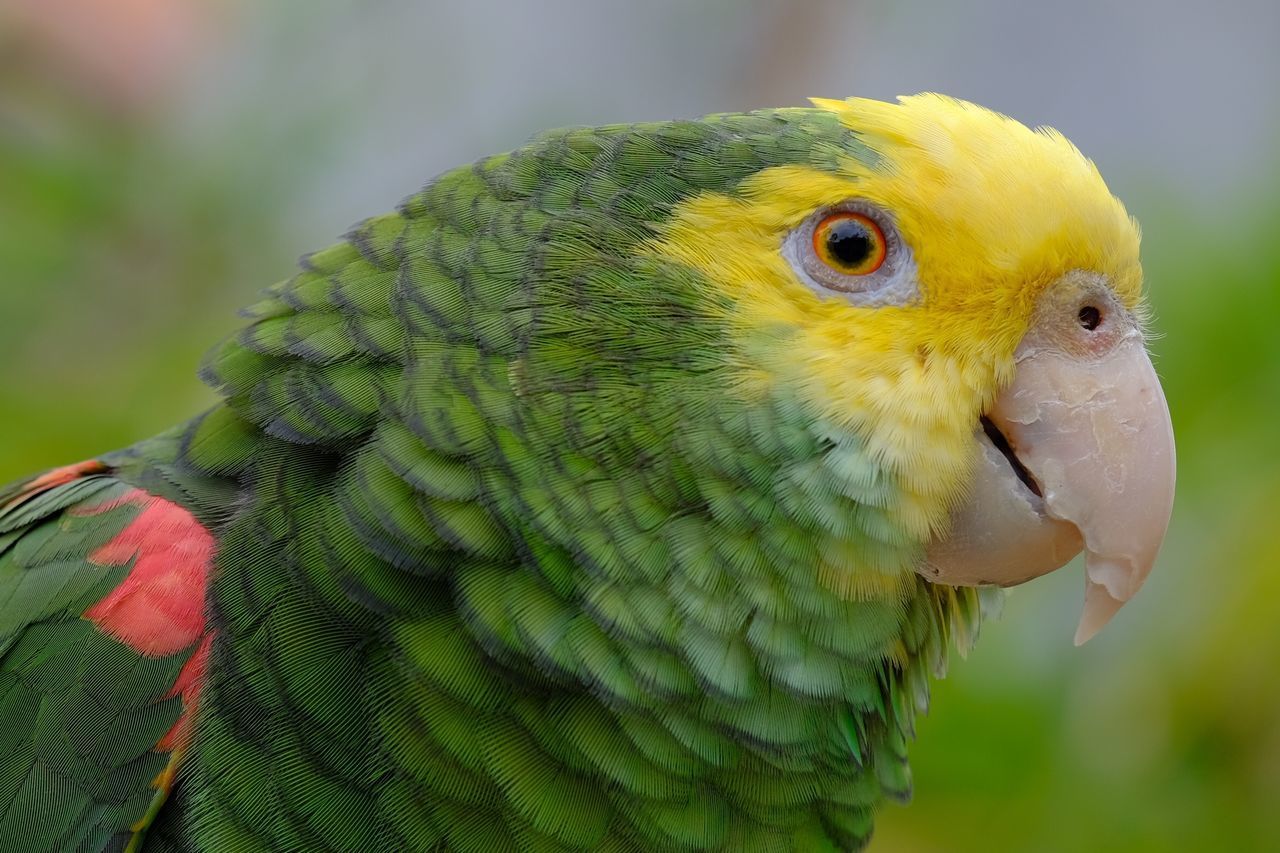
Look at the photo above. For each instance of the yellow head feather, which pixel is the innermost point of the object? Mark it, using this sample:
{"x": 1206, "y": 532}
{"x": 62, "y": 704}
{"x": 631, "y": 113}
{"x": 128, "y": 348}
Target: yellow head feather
{"x": 989, "y": 201}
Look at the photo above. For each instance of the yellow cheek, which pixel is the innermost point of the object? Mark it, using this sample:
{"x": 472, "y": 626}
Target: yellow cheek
{"x": 877, "y": 372}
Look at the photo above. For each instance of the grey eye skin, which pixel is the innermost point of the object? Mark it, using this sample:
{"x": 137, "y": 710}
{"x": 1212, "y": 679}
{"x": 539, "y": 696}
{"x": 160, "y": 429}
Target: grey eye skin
{"x": 894, "y": 282}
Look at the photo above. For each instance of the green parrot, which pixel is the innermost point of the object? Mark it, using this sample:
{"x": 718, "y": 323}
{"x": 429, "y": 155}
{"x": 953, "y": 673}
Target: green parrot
{"x": 621, "y": 492}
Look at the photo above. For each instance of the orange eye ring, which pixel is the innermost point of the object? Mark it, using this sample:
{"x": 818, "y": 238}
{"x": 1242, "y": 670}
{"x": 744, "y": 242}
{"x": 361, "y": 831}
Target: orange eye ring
{"x": 850, "y": 243}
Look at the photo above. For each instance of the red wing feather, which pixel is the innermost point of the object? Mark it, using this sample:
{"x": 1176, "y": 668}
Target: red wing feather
{"x": 159, "y": 607}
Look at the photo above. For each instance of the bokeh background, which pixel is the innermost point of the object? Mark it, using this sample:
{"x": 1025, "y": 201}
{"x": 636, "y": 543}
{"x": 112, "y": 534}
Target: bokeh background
{"x": 162, "y": 160}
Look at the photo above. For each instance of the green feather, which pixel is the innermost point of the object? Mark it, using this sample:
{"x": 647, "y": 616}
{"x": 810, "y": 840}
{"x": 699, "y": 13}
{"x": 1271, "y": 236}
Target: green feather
{"x": 506, "y": 557}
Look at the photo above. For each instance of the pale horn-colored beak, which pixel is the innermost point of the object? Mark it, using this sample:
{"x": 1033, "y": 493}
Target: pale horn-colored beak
{"x": 1076, "y": 454}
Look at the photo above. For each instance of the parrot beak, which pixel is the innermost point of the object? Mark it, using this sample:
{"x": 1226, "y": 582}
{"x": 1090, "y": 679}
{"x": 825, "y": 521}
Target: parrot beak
{"x": 1077, "y": 454}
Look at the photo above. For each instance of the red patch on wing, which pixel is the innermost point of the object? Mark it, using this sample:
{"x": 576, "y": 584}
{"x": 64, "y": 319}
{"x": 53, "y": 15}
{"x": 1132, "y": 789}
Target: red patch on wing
{"x": 56, "y": 477}
{"x": 187, "y": 685}
{"x": 159, "y": 608}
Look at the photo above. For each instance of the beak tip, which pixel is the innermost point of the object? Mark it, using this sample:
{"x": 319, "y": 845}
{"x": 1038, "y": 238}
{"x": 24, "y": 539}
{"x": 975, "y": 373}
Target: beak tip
{"x": 1099, "y": 608}
{"x": 1084, "y": 635}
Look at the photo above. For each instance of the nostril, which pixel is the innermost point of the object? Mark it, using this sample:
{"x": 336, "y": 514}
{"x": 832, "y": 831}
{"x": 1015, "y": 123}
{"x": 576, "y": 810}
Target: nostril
{"x": 1090, "y": 317}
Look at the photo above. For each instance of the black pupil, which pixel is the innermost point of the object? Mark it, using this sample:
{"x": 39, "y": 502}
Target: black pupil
{"x": 849, "y": 242}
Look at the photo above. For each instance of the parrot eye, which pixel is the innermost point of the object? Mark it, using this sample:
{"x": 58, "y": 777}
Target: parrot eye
{"x": 850, "y": 243}
{"x": 853, "y": 249}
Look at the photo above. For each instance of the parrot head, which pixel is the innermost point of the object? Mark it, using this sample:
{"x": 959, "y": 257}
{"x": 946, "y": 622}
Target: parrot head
{"x": 965, "y": 297}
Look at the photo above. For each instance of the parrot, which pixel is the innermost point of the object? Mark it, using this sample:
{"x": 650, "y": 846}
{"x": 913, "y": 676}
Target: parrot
{"x": 621, "y": 492}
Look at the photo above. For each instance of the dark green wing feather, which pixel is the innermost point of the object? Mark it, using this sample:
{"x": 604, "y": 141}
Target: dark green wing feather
{"x": 81, "y": 712}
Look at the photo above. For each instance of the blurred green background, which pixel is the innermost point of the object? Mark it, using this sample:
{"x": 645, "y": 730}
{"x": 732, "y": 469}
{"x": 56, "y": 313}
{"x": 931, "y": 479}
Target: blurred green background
{"x": 162, "y": 160}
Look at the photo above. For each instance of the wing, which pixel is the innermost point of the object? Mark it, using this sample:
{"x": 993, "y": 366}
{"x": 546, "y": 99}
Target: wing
{"x": 102, "y": 650}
